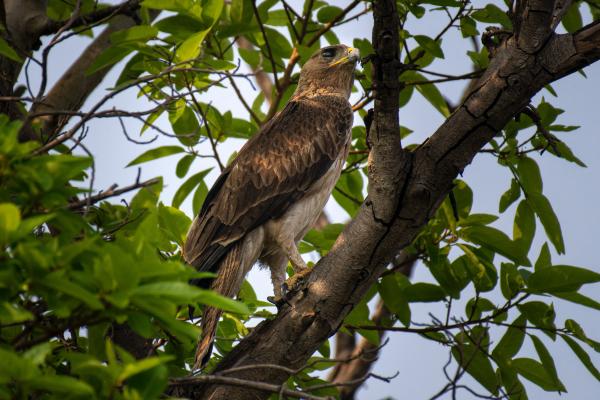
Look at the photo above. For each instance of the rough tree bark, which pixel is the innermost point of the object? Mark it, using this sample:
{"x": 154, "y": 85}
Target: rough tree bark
{"x": 405, "y": 188}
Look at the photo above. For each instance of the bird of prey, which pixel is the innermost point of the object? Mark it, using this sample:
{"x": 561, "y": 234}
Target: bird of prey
{"x": 270, "y": 195}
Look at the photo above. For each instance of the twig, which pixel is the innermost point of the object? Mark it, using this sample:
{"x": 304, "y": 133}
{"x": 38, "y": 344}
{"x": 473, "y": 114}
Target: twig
{"x": 226, "y": 380}
{"x": 111, "y": 192}
{"x": 268, "y": 46}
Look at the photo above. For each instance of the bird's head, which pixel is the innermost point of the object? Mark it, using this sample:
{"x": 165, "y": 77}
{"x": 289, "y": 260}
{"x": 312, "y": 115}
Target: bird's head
{"x": 329, "y": 70}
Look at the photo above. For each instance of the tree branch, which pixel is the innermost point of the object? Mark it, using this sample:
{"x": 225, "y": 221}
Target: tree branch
{"x": 225, "y": 381}
{"x": 111, "y": 192}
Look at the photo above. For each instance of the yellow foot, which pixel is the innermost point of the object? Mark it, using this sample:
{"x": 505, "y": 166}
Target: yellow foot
{"x": 296, "y": 280}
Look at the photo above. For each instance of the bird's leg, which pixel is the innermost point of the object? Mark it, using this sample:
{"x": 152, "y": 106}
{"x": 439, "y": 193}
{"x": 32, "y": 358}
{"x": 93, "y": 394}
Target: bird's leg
{"x": 278, "y": 279}
{"x": 300, "y": 268}
{"x": 277, "y": 264}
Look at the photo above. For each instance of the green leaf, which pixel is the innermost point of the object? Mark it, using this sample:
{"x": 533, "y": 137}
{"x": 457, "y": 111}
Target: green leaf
{"x": 544, "y": 259}
{"x": 62, "y": 384}
{"x": 572, "y": 21}
{"x": 10, "y": 219}
{"x": 423, "y": 292}
{"x": 134, "y": 34}
{"x": 328, "y": 14}
{"x": 199, "y": 197}
{"x": 529, "y": 175}
{"x": 280, "y": 46}
{"x": 394, "y": 298}
{"x": 547, "y": 362}
{"x": 534, "y": 371}
{"x": 182, "y": 26}
{"x": 548, "y": 113}
{"x": 153, "y": 154}
{"x": 524, "y": 226}
{"x": 578, "y": 298}
{"x": 186, "y": 188}
{"x": 11, "y": 313}
{"x": 141, "y": 366}
{"x": 442, "y": 3}
{"x": 174, "y": 223}
{"x": 171, "y": 5}
{"x": 541, "y": 315}
{"x": 211, "y": 11}
{"x": 431, "y": 46}
{"x": 511, "y": 281}
{"x": 561, "y": 278}
{"x": 190, "y": 48}
{"x": 432, "y": 94}
{"x": 492, "y": 14}
{"x": 452, "y": 277}
{"x": 150, "y": 384}
{"x": 61, "y": 284}
{"x": 180, "y": 292}
{"x": 8, "y": 51}
{"x": 543, "y": 209}
{"x": 477, "y": 365}
{"x": 476, "y": 306}
{"x": 496, "y": 241}
{"x": 468, "y": 27}
{"x": 510, "y": 344}
{"x": 183, "y": 165}
{"x": 510, "y": 196}
{"x": 478, "y": 219}
{"x": 464, "y": 198}
{"x": 348, "y": 192}
{"x": 582, "y": 355}
{"x": 565, "y": 152}
{"x": 481, "y": 271}
{"x": 214, "y": 299}
{"x": 108, "y": 57}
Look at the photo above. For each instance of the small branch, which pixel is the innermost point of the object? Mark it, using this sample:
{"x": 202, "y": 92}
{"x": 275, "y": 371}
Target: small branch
{"x": 261, "y": 77}
{"x": 111, "y": 192}
{"x": 327, "y": 27}
{"x": 268, "y": 46}
{"x": 229, "y": 381}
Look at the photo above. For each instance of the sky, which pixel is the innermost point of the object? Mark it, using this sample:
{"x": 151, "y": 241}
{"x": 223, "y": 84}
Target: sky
{"x": 573, "y": 191}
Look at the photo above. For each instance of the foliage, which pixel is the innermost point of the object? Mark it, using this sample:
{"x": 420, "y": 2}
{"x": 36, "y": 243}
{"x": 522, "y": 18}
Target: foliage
{"x": 72, "y": 272}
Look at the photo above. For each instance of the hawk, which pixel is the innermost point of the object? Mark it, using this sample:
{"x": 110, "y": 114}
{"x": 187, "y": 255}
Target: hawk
{"x": 266, "y": 200}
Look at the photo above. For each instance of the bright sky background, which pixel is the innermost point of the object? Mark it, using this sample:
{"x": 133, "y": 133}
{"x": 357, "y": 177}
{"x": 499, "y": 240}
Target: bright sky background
{"x": 573, "y": 191}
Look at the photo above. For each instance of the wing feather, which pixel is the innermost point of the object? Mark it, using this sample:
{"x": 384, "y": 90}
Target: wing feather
{"x": 272, "y": 171}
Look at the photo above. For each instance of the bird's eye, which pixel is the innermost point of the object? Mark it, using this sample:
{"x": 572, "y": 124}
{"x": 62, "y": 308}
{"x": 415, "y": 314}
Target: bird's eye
{"x": 328, "y": 53}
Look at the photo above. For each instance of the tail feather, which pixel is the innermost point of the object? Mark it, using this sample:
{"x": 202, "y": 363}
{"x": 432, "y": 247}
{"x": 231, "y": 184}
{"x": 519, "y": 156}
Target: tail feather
{"x": 227, "y": 283}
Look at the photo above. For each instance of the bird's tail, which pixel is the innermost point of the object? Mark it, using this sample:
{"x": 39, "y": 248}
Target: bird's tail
{"x": 227, "y": 283}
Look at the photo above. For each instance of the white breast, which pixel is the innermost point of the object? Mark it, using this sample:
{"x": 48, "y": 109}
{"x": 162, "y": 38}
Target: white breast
{"x": 301, "y": 216}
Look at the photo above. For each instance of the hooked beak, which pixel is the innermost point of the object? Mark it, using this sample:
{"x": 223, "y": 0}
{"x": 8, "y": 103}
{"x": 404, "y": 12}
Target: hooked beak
{"x": 352, "y": 56}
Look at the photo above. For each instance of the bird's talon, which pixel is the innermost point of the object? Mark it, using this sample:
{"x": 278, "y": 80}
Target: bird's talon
{"x": 296, "y": 280}
{"x": 277, "y": 301}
